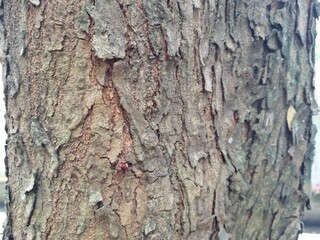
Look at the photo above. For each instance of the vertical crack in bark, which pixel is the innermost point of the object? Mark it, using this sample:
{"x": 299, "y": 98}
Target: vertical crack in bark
{"x": 214, "y": 226}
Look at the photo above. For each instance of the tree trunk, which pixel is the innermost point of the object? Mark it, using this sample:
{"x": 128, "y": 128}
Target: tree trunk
{"x": 158, "y": 119}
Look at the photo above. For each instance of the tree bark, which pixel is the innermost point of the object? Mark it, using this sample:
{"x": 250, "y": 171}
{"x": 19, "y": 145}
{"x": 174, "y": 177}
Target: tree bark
{"x": 158, "y": 119}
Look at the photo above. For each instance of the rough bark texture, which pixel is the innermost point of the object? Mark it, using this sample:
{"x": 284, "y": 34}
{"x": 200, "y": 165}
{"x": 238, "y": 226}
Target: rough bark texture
{"x": 211, "y": 102}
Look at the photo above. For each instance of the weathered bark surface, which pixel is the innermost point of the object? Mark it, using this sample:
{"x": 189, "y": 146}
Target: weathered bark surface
{"x": 194, "y": 94}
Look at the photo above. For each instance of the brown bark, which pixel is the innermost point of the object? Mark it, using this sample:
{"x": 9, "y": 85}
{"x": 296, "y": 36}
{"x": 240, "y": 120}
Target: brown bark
{"x": 194, "y": 94}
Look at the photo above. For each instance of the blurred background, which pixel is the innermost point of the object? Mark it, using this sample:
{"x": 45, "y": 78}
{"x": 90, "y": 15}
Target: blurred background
{"x": 3, "y": 137}
{"x": 311, "y": 219}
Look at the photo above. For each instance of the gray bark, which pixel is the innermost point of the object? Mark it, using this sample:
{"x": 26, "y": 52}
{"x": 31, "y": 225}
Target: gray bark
{"x": 210, "y": 101}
